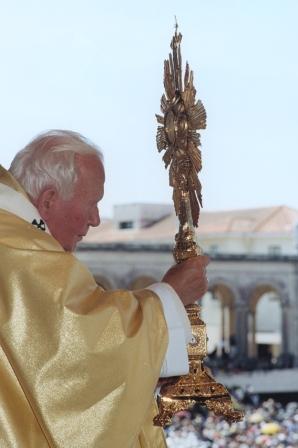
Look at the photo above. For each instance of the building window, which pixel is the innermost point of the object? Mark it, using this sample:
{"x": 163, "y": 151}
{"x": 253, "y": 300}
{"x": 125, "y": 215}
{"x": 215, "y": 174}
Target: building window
{"x": 126, "y": 225}
{"x": 274, "y": 250}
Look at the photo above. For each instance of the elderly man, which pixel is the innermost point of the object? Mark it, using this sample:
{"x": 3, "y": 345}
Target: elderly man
{"x": 78, "y": 365}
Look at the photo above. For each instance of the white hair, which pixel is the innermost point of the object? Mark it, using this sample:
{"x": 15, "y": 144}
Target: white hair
{"x": 49, "y": 160}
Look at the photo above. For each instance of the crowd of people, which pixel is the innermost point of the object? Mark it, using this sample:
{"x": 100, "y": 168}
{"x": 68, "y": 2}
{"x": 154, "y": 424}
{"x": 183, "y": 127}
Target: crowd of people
{"x": 268, "y": 424}
{"x": 229, "y": 359}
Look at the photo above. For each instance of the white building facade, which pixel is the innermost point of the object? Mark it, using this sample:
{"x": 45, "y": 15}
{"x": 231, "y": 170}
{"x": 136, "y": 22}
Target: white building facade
{"x": 252, "y": 302}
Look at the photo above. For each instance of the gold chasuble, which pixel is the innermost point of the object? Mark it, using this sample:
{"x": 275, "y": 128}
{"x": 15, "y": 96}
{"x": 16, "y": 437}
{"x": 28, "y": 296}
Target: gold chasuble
{"x": 78, "y": 365}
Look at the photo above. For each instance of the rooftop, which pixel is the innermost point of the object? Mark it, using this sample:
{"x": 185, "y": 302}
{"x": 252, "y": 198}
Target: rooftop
{"x": 280, "y": 220}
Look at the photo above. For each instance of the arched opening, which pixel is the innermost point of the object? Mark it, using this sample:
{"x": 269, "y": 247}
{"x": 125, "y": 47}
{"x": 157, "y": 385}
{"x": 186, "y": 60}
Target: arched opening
{"x": 141, "y": 282}
{"x": 265, "y": 325}
{"x": 211, "y": 315}
{"x": 218, "y": 312}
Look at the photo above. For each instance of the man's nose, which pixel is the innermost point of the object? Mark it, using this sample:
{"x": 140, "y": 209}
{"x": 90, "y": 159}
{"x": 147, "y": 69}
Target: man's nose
{"x": 94, "y": 220}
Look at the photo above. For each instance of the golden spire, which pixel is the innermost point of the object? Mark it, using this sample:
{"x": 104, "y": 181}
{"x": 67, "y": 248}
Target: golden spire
{"x": 178, "y": 136}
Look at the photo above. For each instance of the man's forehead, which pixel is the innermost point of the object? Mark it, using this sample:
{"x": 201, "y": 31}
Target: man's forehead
{"x": 90, "y": 165}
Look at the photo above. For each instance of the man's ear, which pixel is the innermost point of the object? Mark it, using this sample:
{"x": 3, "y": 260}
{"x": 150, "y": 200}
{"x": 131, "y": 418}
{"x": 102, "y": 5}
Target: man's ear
{"x": 46, "y": 201}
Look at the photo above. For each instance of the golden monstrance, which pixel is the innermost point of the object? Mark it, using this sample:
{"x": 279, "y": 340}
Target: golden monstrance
{"x": 177, "y": 135}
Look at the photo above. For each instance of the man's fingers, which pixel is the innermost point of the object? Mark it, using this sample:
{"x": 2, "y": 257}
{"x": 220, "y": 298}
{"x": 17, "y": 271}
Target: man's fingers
{"x": 189, "y": 278}
{"x": 203, "y": 288}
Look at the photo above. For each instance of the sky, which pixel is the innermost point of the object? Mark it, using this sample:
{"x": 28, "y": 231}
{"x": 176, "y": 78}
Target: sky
{"x": 96, "y": 67}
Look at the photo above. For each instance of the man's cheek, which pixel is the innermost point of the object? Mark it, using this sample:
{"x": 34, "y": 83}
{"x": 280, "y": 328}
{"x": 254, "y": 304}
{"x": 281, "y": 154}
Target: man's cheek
{"x": 81, "y": 219}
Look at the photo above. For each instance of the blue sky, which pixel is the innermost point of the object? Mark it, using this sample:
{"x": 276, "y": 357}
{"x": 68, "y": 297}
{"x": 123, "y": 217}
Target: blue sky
{"x": 97, "y": 68}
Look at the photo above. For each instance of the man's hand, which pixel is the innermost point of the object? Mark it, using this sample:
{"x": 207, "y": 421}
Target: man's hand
{"x": 189, "y": 279}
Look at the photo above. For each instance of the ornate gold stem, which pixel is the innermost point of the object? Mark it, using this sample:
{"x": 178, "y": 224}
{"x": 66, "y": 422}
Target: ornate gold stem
{"x": 199, "y": 385}
{"x": 179, "y": 138}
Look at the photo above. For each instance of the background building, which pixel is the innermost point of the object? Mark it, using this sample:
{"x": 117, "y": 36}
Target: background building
{"x": 251, "y": 308}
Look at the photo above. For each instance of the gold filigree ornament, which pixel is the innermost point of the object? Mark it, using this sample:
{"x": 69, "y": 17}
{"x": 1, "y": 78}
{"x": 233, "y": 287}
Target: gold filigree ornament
{"x": 177, "y": 135}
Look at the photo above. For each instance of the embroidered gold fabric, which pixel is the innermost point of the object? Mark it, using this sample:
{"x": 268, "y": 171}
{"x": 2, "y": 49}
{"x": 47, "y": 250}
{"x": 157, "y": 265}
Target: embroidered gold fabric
{"x": 78, "y": 365}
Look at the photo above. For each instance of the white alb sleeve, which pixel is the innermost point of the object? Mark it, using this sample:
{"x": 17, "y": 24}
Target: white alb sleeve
{"x": 179, "y": 329}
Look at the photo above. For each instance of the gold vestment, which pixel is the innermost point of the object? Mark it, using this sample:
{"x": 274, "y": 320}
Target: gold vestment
{"x": 78, "y": 365}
